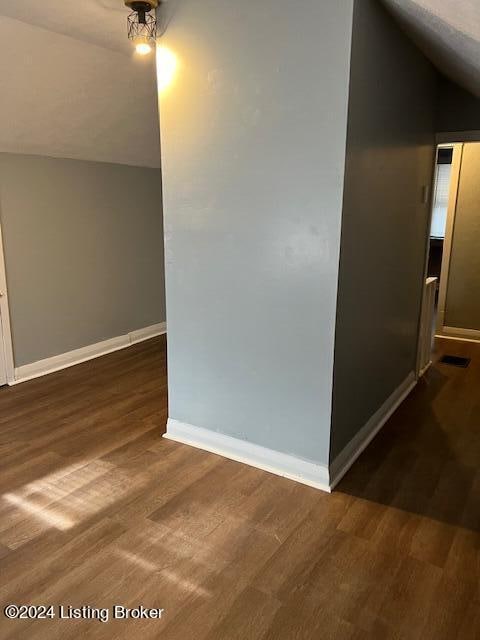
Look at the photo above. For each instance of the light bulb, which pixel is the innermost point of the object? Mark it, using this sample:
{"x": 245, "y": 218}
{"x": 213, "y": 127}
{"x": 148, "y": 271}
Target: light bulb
{"x": 143, "y": 46}
{"x": 143, "y": 49}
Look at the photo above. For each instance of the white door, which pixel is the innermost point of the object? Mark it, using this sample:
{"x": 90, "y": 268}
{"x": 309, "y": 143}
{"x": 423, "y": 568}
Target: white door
{"x": 6, "y": 353}
{"x": 3, "y": 360}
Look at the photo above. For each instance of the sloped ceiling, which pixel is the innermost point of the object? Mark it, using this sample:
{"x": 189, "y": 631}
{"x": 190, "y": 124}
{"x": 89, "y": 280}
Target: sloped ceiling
{"x": 99, "y": 22}
{"x": 448, "y": 32}
{"x": 72, "y": 86}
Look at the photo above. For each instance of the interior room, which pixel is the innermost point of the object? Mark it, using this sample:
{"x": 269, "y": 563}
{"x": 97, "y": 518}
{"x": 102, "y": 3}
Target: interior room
{"x": 240, "y": 320}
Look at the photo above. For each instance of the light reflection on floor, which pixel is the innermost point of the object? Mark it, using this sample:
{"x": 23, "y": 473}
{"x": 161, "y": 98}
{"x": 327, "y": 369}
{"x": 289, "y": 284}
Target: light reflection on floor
{"x": 48, "y": 516}
{"x": 64, "y": 498}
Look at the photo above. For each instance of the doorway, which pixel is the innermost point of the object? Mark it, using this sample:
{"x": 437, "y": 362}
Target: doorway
{"x": 459, "y": 300}
{"x": 438, "y": 225}
{"x": 435, "y": 253}
{"x": 453, "y": 258}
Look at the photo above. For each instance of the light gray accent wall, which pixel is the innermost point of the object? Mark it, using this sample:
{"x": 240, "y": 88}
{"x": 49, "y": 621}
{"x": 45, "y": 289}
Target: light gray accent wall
{"x": 462, "y": 306}
{"x": 390, "y": 155}
{"x": 253, "y": 149}
{"x": 83, "y": 251}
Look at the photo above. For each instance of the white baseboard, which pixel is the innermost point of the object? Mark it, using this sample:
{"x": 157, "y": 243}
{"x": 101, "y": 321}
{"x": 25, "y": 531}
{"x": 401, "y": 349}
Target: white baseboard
{"x": 355, "y": 447}
{"x": 281, "y": 464}
{"x": 314, "y": 475}
{"x": 423, "y": 371}
{"x": 71, "y": 358}
{"x": 455, "y": 333}
{"x": 147, "y": 332}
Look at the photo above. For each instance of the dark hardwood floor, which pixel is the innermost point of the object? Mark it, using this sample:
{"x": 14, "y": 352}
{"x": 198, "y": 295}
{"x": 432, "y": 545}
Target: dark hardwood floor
{"x": 97, "y": 509}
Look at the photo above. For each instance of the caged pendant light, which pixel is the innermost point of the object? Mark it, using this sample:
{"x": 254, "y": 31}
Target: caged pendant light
{"x": 142, "y": 24}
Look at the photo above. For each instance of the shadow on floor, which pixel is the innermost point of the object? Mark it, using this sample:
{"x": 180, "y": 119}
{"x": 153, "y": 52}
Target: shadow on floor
{"x": 426, "y": 460}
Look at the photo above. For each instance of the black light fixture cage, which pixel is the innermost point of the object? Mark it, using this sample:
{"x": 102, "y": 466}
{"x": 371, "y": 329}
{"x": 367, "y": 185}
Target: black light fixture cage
{"x": 142, "y": 26}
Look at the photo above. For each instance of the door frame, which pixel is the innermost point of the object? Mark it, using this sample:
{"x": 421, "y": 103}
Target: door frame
{"x": 5, "y": 326}
{"x": 429, "y": 196}
{"x": 449, "y": 231}
{"x": 443, "y": 330}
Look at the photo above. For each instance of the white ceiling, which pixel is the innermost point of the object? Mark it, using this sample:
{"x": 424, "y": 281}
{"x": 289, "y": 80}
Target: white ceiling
{"x": 99, "y": 22}
{"x": 72, "y": 86}
{"x": 448, "y": 31}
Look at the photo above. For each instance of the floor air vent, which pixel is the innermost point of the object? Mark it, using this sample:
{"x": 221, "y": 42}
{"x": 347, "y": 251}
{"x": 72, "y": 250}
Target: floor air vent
{"x": 456, "y": 361}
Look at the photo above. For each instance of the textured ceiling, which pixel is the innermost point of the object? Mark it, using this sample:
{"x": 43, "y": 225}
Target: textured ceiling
{"x": 100, "y": 22}
{"x": 72, "y": 86}
{"x": 448, "y": 31}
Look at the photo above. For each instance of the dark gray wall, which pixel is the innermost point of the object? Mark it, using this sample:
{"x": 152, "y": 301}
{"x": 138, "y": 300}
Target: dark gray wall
{"x": 384, "y": 228}
{"x": 462, "y": 305}
{"x": 83, "y": 250}
{"x": 457, "y": 109}
{"x": 253, "y": 151}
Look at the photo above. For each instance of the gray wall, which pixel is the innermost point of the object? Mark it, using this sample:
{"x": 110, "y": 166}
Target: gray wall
{"x": 462, "y": 306}
{"x": 253, "y": 149}
{"x": 457, "y": 110}
{"x": 83, "y": 251}
{"x": 384, "y": 229}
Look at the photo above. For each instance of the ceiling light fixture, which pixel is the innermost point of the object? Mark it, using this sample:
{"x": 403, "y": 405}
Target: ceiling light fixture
{"x": 142, "y": 25}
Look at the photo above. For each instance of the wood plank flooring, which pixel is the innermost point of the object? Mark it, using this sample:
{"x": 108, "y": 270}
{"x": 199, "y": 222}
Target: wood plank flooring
{"x": 97, "y": 509}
